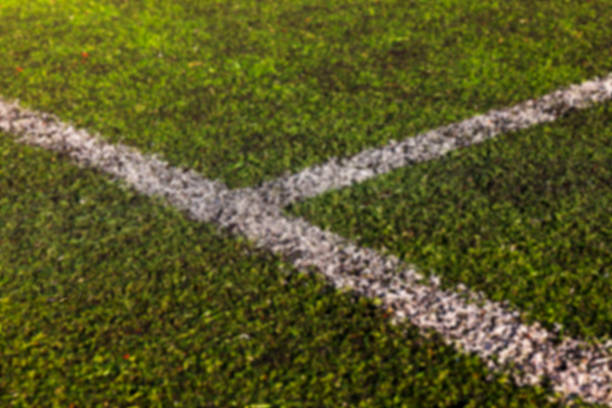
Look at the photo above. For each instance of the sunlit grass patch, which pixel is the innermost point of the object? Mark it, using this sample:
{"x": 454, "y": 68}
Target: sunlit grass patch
{"x": 246, "y": 90}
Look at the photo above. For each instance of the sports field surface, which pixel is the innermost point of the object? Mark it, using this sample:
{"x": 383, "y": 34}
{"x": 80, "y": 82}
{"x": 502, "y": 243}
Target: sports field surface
{"x": 305, "y": 203}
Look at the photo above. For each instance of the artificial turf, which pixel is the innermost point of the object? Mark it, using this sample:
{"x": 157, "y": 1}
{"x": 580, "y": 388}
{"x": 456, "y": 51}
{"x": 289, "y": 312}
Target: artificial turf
{"x": 524, "y": 218}
{"x": 245, "y": 90}
{"x": 108, "y": 298}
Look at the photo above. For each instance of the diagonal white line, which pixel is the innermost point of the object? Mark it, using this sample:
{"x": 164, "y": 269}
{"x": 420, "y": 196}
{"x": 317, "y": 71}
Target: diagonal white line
{"x": 486, "y": 328}
{"x": 370, "y": 163}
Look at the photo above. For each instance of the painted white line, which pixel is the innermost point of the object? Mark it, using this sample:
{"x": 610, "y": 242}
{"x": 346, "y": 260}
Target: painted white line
{"x": 486, "y": 328}
{"x": 370, "y": 163}
{"x": 145, "y": 173}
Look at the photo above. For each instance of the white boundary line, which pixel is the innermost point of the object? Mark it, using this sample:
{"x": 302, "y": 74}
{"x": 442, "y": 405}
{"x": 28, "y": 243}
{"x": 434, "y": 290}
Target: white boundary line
{"x": 370, "y": 163}
{"x": 489, "y": 329}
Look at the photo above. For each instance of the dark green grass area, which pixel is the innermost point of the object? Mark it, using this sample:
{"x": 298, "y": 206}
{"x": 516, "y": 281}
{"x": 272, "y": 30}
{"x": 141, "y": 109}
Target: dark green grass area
{"x": 109, "y": 297}
{"x": 524, "y": 217}
{"x": 245, "y": 90}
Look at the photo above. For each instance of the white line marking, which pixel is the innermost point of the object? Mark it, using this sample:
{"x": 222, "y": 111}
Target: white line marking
{"x": 147, "y": 174}
{"x": 370, "y": 163}
{"x": 486, "y": 328}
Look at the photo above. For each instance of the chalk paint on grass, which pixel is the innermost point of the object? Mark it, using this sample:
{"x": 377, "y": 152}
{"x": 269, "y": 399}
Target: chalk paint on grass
{"x": 464, "y": 318}
{"x": 337, "y": 173}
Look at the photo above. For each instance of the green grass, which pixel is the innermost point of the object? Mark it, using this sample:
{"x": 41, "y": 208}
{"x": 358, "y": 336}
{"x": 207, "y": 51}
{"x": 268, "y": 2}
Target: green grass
{"x": 109, "y": 297}
{"x": 524, "y": 217}
{"x": 245, "y": 90}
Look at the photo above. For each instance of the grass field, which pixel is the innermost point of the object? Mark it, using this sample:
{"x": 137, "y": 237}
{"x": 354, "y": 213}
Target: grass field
{"x": 111, "y": 298}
